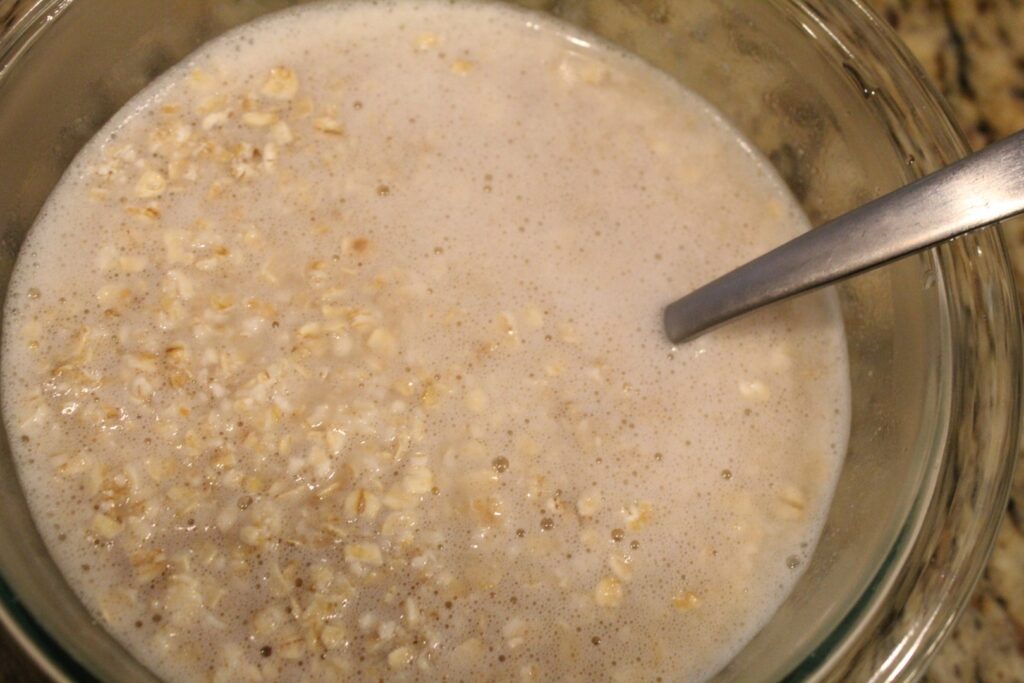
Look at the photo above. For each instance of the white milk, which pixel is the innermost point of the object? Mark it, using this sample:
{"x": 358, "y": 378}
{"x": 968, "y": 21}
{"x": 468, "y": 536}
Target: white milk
{"x": 338, "y": 353}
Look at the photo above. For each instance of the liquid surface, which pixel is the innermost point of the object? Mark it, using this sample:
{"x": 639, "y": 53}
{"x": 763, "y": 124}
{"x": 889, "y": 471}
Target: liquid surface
{"x": 337, "y": 353}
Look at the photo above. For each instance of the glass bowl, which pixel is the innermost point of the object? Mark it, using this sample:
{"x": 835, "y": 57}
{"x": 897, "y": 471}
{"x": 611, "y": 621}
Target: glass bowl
{"x": 825, "y": 90}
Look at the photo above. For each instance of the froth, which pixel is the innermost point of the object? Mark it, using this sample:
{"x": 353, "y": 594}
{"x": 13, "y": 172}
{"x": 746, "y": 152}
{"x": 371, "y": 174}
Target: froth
{"x": 337, "y": 352}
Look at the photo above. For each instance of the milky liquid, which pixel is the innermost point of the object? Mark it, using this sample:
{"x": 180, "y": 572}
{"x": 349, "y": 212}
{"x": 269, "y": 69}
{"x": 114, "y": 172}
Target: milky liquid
{"x": 337, "y": 353}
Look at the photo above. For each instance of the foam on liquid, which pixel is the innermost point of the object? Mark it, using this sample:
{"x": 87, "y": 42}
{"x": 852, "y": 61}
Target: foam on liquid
{"x": 422, "y": 316}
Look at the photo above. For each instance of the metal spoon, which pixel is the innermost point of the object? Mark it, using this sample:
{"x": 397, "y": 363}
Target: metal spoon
{"x": 980, "y": 189}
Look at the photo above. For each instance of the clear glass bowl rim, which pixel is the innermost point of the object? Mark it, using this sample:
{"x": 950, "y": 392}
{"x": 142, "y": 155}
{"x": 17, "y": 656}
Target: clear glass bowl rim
{"x": 854, "y": 29}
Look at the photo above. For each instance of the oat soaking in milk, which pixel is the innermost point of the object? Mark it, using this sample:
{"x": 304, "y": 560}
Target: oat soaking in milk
{"x": 336, "y": 356}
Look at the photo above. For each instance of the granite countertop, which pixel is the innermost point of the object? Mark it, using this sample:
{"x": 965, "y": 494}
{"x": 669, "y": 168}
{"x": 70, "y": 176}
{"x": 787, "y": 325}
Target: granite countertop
{"x": 974, "y": 52}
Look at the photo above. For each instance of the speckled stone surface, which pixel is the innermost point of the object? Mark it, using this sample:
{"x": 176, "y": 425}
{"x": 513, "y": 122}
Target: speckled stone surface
{"x": 974, "y": 52}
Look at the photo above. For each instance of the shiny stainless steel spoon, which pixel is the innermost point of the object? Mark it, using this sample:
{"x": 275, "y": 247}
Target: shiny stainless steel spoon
{"x": 983, "y": 188}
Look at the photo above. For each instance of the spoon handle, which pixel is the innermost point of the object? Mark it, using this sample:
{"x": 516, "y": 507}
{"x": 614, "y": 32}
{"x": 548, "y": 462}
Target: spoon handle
{"x": 980, "y": 189}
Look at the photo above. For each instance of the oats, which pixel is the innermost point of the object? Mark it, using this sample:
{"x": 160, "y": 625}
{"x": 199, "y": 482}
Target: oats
{"x": 328, "y": 125}
{"x": 222, "y": 302}
{"x": 567, "y": 333}
{"x": 214, "y": 120}
{"x": 400, "y": 658}
{"x": 201, "y": 80}
{"x": 332, "y": 637}
{"x": 589, "y": 503}
{"x": 508, "y": 329}
{"x": 252, "y": 326}
{"x": 148, "y": 570}
{"x": 487, "y": 510}
{"x": 141, "y": 389}
{"x": 382, "y": 342}
{"x": 364, "y": 553}
{"x": 227, "y": 517}
{"x": 411, "y": 612}
{"x": 793, "y": 503}
{"x": 554, "y": 367}
{"x": 468, "y": 653}
{"x": 303, "y": 107}
{"x": 529, "y": 672}
{"x": 106, "y": 527}
{"x": 175, "y": 249}
{"x": 181, "y": 170}
{"x": 608, "y": 592}
{"x": 150, "y": 184}
{"x": 292, "y": 647}
{"x": 685, "y": 601}
{"x": 143, "y": 362}
{"x": 780, "y": 359}
{"x": 426, "y": 41}
{"x": 281, "y": 84}
{"x": 133, "y": 263}
{"x": 281, "y": 134}
{"x": 592, "y": 539}
{"x": 310, "y": 330}
{"x": 621, "y": 565}
{"x": 399, "y": 526}
{"x": 179, "y": 284}
{"x": 251, "y": 535}
{"x": 477, "y": 400}
{"x": 159, "y": 469}
{"x": 576, "y": 68}
{"x": 107, "y": 258}
{"x": 418, "y": 480}
{"x": 533, "y": 317}
{"x": 637, "y": 515}
{"x": 118, "y": 603}
{"x": 269, "y": 619}
{"x": 336, "y": 440}
{"x": 362, "y": 503}
{"x": 514, "y": 633}
{"x": 258, "y": 119}
{"x": 754, "y": 390}
{"x": 113, "y": 294}
{"x": 398, "y": 498}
